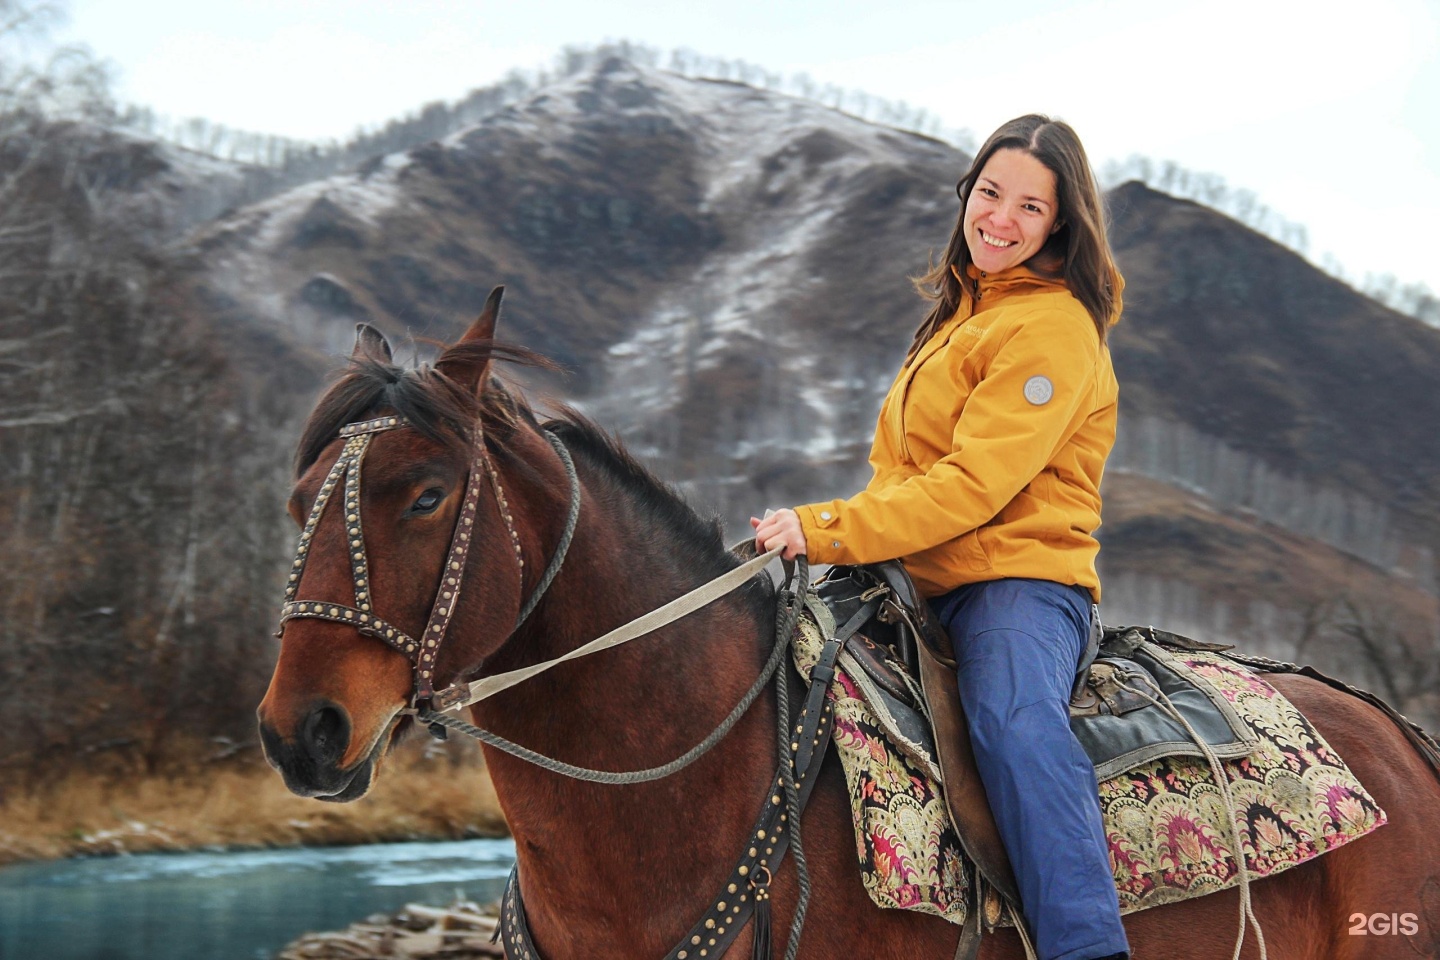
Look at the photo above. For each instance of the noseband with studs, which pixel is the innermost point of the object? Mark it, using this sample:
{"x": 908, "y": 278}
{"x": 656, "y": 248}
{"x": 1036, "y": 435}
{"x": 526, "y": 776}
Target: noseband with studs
{"x": 422, "y": 652}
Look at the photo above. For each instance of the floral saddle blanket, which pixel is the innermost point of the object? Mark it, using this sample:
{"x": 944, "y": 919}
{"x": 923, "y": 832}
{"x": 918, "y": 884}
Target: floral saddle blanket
{"x": 1171, "y": 835}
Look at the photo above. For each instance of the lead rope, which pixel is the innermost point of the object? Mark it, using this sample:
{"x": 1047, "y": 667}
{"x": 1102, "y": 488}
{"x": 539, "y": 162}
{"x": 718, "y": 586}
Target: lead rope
{"x": 1222, "y": 781}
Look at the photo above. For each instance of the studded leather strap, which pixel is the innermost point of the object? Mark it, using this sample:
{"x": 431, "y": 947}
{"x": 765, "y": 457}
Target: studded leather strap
{"x": 448, "y": 594}
{"x": 366, "y": 623}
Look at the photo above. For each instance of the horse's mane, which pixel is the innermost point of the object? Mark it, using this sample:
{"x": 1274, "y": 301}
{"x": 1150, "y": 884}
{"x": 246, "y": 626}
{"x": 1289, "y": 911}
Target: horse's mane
{"x": 445, "y": 412}
{"x": 700, "y": 539}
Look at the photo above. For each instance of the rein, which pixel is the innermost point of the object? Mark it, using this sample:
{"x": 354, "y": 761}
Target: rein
{"x": 777, "y": 654}
{"x": 801, "y": 749}
{"x": 463, "y": 695}
{"x": 746, "y": 894}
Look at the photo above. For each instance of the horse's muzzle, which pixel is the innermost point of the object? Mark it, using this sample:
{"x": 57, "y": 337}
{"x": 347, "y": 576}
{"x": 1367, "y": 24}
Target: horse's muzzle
{"x": 308, "y": 761}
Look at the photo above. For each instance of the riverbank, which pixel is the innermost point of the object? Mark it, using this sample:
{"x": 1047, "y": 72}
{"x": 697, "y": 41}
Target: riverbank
{"x": 208, "y": 798}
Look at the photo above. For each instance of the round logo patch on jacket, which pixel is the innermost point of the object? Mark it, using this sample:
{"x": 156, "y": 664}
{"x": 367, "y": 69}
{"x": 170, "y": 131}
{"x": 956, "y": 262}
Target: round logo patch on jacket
{"x": 1039, "y": 390}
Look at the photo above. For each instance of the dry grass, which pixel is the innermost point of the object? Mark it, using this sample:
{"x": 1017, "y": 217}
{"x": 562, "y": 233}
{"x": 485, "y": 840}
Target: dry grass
{"x": 424, "y": 791}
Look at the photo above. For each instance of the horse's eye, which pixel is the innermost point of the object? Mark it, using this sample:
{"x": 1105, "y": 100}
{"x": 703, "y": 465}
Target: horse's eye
{"x": 427, "y": 501}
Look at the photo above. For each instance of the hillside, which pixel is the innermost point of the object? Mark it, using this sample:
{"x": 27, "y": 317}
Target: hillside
{"x": 1241, "y": 339}
{"x": 672, "y": 232}
{"x": 614, "y": 206}
{"x": 724, "y": 271}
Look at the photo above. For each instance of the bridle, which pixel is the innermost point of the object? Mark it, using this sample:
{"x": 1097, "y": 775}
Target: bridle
{"x": 424, "y": 651}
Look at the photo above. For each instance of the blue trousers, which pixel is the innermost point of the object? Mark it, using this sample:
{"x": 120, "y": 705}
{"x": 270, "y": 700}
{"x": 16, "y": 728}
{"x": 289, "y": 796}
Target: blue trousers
{"x": 1017, "y": 644}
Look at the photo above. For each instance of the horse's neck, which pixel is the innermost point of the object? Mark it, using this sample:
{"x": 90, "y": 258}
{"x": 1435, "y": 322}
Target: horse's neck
{"x": 604, "y": 851}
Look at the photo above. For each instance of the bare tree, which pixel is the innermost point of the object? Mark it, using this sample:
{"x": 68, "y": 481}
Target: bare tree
{"x": 120, "y": 433}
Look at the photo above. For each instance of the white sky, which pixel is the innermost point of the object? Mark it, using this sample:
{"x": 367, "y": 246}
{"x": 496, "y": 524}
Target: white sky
{"x": 1329, "y": 111}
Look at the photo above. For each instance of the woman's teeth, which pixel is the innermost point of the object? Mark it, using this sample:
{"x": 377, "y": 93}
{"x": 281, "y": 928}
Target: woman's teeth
{"x": 996, "y": 241}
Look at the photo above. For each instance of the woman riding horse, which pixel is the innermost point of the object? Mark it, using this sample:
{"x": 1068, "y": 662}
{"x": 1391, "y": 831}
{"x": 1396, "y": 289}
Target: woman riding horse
{"x": 988, "y": 455}
{"x": 422, "y": 578}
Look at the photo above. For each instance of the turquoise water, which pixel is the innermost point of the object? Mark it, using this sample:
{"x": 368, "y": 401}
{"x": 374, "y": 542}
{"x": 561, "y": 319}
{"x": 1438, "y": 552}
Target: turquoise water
{"x": 229, "y": 906}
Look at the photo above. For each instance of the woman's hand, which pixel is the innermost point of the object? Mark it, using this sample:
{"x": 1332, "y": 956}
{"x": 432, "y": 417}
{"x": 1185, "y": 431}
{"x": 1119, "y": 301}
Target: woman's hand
{"x": 779, "y": 528}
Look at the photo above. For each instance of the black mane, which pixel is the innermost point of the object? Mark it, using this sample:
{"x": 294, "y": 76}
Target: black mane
{"x": 441, "y": 409}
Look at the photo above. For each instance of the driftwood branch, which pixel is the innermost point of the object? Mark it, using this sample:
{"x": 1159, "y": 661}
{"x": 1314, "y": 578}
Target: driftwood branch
{"x": 461, "y": 931}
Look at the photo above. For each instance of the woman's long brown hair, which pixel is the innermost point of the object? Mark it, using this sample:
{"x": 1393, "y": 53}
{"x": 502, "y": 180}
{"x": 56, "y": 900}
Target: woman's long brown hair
{"x": 1080, "y": 245}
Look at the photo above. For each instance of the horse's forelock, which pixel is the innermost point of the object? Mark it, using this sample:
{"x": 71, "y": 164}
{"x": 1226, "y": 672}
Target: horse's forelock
{"x": 440, "y": 408}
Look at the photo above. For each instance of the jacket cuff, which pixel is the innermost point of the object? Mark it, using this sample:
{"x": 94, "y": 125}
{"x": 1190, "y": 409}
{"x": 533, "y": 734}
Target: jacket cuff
{"x": 820, "y": 522}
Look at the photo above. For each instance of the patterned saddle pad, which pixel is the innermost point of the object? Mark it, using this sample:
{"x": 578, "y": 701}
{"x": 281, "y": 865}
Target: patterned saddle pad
{"x": 1164, "y": 817}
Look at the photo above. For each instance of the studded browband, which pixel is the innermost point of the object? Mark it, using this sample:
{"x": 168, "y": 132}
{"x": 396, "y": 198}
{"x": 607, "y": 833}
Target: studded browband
{"x": 748, "y": 886}
{"x": 423, "y": 652}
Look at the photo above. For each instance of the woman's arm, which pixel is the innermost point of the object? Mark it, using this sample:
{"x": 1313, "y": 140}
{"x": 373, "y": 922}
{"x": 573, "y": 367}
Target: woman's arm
{"x": 1002, "y": 441}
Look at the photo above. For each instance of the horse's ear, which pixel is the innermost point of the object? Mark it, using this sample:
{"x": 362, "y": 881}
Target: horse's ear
{"x": 484, "y": 326}
{"x": 370, "y": 343}
{"x": 472, "y": 372}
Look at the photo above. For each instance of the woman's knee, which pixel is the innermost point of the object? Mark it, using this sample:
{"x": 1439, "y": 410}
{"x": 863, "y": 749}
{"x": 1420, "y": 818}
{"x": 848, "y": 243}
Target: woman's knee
{"x": 1021, "y": 735}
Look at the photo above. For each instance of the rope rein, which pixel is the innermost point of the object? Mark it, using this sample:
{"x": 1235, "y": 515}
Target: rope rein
{"x": 777, "y": 653}
{"x": 572, "y": 519}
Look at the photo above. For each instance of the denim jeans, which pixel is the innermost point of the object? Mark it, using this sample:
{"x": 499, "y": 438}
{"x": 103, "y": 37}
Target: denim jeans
{"x": 1017, "y": 644}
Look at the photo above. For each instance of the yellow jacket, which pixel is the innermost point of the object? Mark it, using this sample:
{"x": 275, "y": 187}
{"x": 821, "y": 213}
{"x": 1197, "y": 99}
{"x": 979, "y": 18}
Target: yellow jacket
{"x": 989, "y": 448}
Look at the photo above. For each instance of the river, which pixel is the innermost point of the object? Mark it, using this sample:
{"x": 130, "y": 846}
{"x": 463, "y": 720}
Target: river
{"x": 241, "y": 905}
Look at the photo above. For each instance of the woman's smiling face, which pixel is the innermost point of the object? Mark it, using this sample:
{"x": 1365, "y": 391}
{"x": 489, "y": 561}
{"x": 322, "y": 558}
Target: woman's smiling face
{"x": 1011, "y": 210}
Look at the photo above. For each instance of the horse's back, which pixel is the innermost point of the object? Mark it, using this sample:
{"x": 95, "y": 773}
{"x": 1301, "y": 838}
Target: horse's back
{"x": 1395, "y": 870}
{"x": 1389, "y": 766}
{"x": 1314, "y": 910}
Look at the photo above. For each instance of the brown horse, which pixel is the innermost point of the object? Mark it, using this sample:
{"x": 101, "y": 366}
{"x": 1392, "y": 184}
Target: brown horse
{"x": 623, "y": 871}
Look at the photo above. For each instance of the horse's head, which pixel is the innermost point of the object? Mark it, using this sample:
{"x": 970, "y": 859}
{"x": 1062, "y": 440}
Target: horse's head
{"x": 389, "y": 512}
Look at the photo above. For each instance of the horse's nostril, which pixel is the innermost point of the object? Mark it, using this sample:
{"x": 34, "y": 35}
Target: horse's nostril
{"x": 326, "y": 734}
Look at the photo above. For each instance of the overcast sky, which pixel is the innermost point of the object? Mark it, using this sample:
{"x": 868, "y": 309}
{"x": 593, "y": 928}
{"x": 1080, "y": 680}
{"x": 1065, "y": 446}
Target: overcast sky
{"x": 1329, "y": 111}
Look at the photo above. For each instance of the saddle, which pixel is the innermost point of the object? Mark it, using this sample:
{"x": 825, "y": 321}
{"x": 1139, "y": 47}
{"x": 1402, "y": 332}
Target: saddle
{"x": 893, "y": 644}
